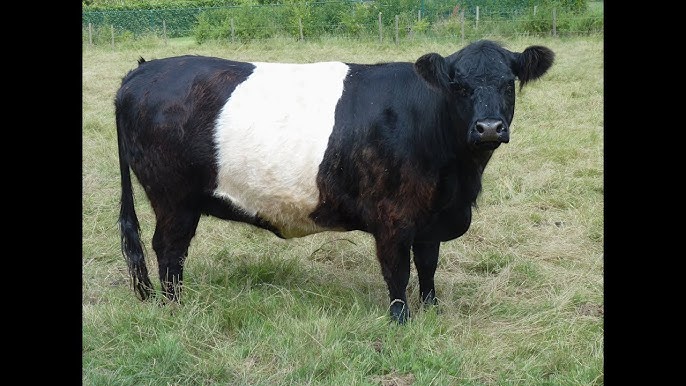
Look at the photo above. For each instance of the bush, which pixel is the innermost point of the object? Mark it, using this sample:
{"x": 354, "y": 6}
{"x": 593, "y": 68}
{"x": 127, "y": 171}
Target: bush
{"x": 357, "y": 21}
{"x": 250, "y": 22}
{"x": 567, "y": 21}
{"x": 420, "y": 26}
{"x": 447, "y": 27}
{"x": 588, "y": 23}
{"x": 541, "y": 22}
{"x": 574, "y": 6}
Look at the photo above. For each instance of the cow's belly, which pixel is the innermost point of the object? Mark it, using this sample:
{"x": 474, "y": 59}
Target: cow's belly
{"x": 271, "y": 136}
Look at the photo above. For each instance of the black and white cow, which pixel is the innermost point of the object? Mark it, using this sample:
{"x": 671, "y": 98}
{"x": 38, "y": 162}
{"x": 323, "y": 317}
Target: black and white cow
{"x": 394, "y": 149}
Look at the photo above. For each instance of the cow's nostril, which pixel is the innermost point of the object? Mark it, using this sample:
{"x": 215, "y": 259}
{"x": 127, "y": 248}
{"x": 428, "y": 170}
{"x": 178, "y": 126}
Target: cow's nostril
{"x": 490, "y": 127}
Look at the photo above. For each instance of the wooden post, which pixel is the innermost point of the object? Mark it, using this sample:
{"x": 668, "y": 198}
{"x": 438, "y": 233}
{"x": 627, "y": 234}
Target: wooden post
{"x": 112, "y": 34}
{"x": 233, "y": 32}
{"x": 462, "y": 24}
{"x": 90, "y": 34}
{"x": 419, "y": 15}
{"x": 554, "y": 23}
{"x": 477, "y": 17}
{"x": 397, "y": 40}
{"x": 164, "y": 31}
{"x": 380, "y": 29}
{"x": 300, "y": 24}
{"x": 535, "y": 8}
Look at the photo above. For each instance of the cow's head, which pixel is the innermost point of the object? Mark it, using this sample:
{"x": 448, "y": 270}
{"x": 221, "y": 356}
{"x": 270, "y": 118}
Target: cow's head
{"x": 479, "y": 82}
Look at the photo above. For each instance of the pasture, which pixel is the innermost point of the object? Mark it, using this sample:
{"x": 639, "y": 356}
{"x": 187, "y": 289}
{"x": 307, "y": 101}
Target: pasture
{"x": 520, "y": 294}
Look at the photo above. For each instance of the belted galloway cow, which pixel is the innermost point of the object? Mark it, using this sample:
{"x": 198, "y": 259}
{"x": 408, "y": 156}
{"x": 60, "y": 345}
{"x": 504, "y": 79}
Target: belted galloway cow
{"x": 393, "y": 149}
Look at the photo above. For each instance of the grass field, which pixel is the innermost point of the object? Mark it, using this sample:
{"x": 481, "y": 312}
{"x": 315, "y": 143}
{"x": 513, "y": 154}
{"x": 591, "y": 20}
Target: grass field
{"x": 521, "y": 293}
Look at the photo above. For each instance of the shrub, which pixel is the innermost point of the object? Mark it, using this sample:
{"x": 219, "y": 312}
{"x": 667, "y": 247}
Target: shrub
{"x": 447, "y": 27}
{"x": 568, "y": 20}
{"x": 539, "y": 23}
{"x": 357, "y": 21}
{"x": 250, "y": 22}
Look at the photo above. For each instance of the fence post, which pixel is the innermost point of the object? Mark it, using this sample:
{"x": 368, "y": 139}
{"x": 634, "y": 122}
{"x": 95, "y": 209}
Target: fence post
{"x": 380, "y": 29}
{"x": 419, "y": 15}
{"x": 535, "y": 8}
{"x": 233, "y": 36}
{"x": 164, "y": 31}
{"x": 112, "y": 33}
{"x": 397, "y": 40}
{"x": 477, "y": 17}
{"x": 300, "y": 24}
{"x": 554, "y": 23}
{"x": 462, "y": 24}
{"x": 90, "y": 34}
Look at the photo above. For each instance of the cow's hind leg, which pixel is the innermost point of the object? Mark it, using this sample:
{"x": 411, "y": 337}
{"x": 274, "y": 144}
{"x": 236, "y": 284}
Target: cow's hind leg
{"x": 173, "y": 233}
{"x": 426, "y": 260}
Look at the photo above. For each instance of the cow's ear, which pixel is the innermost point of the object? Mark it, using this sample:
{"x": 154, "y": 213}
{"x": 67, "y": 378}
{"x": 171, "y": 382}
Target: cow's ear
{"x": 434, "y": 70}
{"x": 533, "y": 63}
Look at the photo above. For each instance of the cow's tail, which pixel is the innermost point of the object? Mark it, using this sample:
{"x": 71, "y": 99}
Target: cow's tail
{"x": 130, "y": 232}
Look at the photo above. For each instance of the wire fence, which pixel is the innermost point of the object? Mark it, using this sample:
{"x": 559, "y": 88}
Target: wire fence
{"x": 337, "y": 18}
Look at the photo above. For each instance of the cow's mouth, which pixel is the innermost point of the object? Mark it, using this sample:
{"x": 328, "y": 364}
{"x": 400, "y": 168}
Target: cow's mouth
{"x": 488, "y": 145}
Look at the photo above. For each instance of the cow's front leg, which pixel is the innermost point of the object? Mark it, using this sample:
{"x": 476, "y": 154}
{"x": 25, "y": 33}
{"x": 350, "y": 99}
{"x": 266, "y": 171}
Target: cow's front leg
{"x": 394, "y": 256}
{"x": 426, "y": 260}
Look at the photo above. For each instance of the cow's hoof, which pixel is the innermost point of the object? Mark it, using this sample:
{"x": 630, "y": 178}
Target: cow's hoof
{"x": 399, "y": 311}
{"x": 430, "y": 300}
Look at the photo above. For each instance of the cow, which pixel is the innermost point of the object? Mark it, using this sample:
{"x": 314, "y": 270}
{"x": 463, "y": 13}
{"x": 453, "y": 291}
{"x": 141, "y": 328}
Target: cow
{"x": 395, "y": 149}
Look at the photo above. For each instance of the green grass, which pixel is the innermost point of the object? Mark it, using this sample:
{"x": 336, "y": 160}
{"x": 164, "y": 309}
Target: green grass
{"x": 521, "y": 293}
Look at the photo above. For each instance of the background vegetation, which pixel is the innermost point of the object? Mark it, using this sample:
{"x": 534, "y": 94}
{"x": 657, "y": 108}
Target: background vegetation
{"x": 205, "y": 20}
{"x": 102, "y": 5}
{"x": 521, "y": 294}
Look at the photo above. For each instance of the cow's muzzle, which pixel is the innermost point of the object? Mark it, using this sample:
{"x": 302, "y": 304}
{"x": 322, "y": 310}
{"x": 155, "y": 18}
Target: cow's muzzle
{"x": 489, "y": 133}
